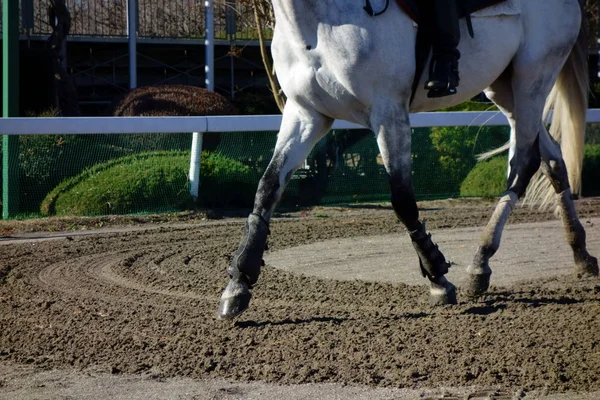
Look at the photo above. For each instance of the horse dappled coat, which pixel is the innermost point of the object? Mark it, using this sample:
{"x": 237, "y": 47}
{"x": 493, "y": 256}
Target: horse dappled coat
{"x": 334, "y": 61}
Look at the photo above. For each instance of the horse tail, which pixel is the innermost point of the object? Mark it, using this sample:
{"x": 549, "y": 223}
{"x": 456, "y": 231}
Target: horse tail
{"x": 568, "y": 102}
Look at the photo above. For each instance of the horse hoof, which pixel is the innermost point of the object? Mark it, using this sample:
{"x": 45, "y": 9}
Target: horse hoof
{"x": 477, "y": 284}
{"x": 234, "y": 300}
{"x": 442, "y": 294}
{"x": 588, "y": 267}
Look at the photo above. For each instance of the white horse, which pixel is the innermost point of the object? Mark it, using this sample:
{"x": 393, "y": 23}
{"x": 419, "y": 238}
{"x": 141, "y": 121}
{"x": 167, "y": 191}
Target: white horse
{"x": 335, "y": 61}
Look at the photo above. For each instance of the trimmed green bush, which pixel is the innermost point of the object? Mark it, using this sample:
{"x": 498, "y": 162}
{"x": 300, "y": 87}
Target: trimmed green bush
{"x": 590, "y": 176}
{"x": 225, "y": 182}
{"x": 488, "y": 178}
{"x": 457, "y": 148}
{"x": 46, "y": 160}
{"x": 170, "y": 100}
{"x": 150, "y": 182}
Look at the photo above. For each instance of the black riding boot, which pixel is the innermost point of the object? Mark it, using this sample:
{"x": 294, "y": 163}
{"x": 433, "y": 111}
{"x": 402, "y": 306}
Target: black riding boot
{"x": 443, "y": 70}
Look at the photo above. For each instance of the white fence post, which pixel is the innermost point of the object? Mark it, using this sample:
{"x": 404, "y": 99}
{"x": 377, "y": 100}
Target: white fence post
{"x": 196, "y": 156}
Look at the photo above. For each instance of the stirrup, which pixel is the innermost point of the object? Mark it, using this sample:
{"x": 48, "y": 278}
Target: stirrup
{"x": 443, "y": 77}
{"x": 448, "y": 91}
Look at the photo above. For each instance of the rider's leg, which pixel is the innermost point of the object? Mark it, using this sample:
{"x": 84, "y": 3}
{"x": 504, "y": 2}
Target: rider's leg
{"x": 443, "y": 72}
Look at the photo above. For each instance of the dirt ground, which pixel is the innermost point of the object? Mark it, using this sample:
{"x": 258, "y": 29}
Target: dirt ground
{"x": 129, "y": 311}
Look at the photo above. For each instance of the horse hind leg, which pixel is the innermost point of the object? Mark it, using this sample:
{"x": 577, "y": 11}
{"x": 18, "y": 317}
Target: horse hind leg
{"x": 300, "y": 130}
{"x": 554, "y": 168}
{"x": 525, "y": 117}
{"x": 479, "y": 271}
{"x": 393, "y": 133}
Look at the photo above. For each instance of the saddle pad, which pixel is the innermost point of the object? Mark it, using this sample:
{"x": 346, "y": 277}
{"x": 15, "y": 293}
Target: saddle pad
{"x": 507, "y": 7}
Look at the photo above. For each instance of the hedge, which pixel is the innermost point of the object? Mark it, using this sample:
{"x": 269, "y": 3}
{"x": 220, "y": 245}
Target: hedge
{"x": 151, "y": 182}
{"x": 488, "y": 178}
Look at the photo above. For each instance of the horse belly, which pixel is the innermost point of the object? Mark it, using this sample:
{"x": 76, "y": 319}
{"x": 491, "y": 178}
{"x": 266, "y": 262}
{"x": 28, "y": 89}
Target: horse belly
{"x": 483, "y": 59}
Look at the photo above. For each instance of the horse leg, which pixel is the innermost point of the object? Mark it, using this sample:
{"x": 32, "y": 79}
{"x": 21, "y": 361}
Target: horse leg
{"x": 479, "y": 271}
{"x": 554, "y": 168}
{"x": 394, "y": 140}
{"x": 300, "y": 130}
{"x": 525, "y": 117}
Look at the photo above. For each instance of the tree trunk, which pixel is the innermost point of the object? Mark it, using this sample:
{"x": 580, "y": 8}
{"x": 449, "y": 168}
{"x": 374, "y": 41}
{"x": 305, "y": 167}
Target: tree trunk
{"x": 66, "y": 94}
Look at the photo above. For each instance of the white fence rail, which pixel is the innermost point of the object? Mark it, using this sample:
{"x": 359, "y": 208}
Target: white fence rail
{"x": 130, "y": 125}
{"x": 248, "y": 123}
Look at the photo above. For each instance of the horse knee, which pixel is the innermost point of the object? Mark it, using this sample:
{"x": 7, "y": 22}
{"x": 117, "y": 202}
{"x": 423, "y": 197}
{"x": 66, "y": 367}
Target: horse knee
{"x": 556, "y": 170}
{"x": 553, "y": 164}
{"x": 523, "y": 166}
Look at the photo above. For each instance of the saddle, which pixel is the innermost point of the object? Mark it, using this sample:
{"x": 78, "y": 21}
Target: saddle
{"x": 420, "y": 11}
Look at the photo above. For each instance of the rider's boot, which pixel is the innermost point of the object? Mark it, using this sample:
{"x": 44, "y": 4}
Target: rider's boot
{"x": 443, "y": 76}
{"x": 443, "y": 71}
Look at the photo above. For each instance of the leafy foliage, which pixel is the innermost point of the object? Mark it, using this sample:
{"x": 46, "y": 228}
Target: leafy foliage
{"x": 590, "y": 176}
{"x": 150, "y": 182}
{"x": 458, "y": 148}
{"x": 487, "y": 179}
{"x": 45, "y": 160}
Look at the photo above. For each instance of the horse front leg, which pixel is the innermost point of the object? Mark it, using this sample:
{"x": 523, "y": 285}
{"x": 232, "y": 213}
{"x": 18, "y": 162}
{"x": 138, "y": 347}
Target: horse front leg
{"x": 394, "y": 140}
{"x": 300, "y": 130}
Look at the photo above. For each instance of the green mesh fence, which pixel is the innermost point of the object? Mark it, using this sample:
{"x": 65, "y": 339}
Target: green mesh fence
{"x": 117, "y": 174}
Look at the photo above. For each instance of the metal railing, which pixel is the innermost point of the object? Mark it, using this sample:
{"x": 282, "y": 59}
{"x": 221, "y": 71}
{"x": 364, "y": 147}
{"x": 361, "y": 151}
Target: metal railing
{"x": 157, "y": 19}
{"x": 199, "y": 125}
{"x": 234, "y": 123}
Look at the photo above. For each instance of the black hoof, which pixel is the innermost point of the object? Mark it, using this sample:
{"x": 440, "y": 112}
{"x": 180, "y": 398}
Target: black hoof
{"x": 442, "y": 294}
{"x": 588, "y": 267}
{"x": 234, "y": 300}
{"x": 477, "y": 284}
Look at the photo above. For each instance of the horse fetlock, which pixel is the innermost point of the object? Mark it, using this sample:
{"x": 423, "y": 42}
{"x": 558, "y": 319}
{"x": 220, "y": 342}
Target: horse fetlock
{"x": 432, "y": 262}
{"x": 586, "y": 265}
{"x": 442, "y": 292}
{"x": 480, "y": 264}
{"x": 477, "y": 284}
{"x": 247, "y": 259}
{"x": 235, "y": 299}
{"x": 478, "y": 273}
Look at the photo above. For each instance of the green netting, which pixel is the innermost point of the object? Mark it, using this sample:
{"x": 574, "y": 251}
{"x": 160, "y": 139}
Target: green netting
{"x": 148, "y": 173}
{"x": 346, "y": 166}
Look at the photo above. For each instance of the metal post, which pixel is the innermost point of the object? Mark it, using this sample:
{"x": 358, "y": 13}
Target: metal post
{"x": 597, "y": 40}
{"x": 209, "y": 44}
{"x": 10, "y": 106}
{"x": 231, "y": 30}
{"x": 196, "y": 157}
{"x": 209, "y": 81}
{"x": 132, "y": 6}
